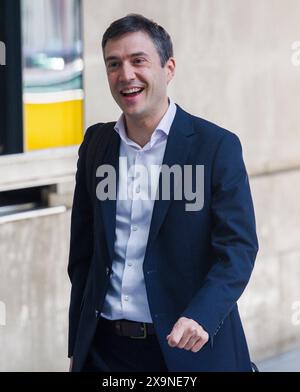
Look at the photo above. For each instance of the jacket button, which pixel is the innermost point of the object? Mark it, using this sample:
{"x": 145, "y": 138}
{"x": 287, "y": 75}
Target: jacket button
{"x": 107, "y": 271}
{"x": 97, "y": 313}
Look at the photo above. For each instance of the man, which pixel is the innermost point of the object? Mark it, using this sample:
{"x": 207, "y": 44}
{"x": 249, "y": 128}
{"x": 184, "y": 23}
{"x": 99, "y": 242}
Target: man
{"x": 155, "y": 284}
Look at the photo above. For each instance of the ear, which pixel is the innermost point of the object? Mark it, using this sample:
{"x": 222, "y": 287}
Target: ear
{"x": 170, "y": 69}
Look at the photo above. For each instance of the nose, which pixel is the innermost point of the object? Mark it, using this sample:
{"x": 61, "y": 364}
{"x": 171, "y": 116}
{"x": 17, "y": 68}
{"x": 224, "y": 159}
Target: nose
{"x": 126, "y": 73}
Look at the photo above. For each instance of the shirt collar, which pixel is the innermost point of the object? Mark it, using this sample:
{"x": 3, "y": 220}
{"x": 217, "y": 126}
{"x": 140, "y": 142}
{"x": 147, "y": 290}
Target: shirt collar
{"x": 164, "y": 124}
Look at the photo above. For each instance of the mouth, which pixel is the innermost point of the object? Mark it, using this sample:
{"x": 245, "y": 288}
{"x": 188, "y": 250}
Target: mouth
{"x": 132, "y": 92}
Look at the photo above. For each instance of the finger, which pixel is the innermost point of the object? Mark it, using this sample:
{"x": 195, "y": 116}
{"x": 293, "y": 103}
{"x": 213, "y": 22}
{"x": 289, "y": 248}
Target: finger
{"x": 192, "y": 341}
{"x": 175, "y": 335}
{"x": 189, "y": 334}
{"x": 200, "y": 343}
{"x": 197, "y": 347}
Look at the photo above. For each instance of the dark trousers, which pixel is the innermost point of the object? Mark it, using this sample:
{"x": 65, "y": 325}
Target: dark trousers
{"x": 113, "y": 353}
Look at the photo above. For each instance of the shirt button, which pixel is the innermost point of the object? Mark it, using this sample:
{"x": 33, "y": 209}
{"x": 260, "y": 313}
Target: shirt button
{"x": 126, "y": 298}
{"x": 134, "y": 228}
{"x": 130, "y": 264}
{"x": 138, "y": 189}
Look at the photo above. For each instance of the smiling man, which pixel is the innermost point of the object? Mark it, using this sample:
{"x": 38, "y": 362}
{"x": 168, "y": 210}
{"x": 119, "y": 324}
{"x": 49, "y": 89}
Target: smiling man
{"x": 154, "y": 286}
{"x": 138, "y": 80}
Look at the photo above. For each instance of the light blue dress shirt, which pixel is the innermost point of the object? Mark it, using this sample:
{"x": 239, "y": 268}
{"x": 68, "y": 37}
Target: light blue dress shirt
{"x": 126, "y": 297}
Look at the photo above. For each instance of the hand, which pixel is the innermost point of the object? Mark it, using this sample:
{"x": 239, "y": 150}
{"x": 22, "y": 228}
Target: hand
{"x": 187, "y": 334}
{"x": 71, "y": 364}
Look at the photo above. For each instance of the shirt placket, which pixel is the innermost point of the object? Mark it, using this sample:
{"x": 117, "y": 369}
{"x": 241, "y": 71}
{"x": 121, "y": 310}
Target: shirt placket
{"x": 136, "y": 231}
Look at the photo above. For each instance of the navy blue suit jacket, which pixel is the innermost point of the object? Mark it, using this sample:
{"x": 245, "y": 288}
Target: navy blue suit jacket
{"x": 197, "y": 263}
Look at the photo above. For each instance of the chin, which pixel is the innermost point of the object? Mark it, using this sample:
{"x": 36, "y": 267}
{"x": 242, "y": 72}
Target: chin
{"x": 133, "y": 112}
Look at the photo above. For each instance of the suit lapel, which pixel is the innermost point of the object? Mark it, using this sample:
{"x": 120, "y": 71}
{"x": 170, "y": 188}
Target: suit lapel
{"x": 176, "y": 153}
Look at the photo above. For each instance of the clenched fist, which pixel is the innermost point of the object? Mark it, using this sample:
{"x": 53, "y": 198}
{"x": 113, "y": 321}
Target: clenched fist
{"x": 187, "y": 334}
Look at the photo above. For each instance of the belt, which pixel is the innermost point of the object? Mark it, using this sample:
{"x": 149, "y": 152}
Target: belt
{"x": 132, "y": 329}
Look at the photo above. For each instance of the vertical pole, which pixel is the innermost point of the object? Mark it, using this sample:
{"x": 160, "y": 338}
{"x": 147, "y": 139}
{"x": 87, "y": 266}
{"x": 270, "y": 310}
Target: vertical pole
{"x": 11, "y": 85}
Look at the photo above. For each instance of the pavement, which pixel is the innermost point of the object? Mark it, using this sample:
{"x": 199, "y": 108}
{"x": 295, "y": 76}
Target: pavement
{"x": 287, "y": 362}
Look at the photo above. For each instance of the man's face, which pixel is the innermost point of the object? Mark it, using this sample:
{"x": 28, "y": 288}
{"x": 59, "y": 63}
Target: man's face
{"x": 136, "y": 78}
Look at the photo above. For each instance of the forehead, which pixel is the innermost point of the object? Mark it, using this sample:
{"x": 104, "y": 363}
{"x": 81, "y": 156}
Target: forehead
{"x": 130, "y": 43}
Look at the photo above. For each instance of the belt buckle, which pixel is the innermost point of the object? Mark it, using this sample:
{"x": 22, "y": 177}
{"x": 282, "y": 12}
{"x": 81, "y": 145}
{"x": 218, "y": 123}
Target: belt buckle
{"x": 144, "y": 333}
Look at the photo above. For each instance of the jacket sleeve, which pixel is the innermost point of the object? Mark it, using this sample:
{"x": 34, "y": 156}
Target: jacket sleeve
{"x": 81, "y": 240}
{"x": 233, "y": 239}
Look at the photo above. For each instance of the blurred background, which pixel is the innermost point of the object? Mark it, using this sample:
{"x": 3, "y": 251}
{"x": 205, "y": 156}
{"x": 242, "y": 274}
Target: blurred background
{"x": 238, "y": 65}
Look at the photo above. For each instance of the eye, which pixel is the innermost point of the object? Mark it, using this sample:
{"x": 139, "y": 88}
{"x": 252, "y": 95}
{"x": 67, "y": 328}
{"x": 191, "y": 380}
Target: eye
{"x": 138, "y": 60}
{"x": 112, "y": 65}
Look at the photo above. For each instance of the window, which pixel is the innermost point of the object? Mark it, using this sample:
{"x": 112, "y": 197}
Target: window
{"x": 52, "y": 73}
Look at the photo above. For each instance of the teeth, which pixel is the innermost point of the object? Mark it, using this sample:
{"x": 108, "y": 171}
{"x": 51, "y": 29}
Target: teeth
{"x": 131, "y": 90}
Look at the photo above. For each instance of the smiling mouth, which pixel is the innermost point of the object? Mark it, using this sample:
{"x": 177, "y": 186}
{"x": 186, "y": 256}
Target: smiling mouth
{"x": 132, "y": 92}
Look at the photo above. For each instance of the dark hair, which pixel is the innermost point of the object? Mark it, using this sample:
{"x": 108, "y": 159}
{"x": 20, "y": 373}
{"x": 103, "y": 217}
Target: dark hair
{"x": 134, "y": 23}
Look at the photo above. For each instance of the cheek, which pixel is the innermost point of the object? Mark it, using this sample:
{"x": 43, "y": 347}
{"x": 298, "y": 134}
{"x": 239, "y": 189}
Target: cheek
{"x": 160, "y": 87}
{"x": 161, "y": 80}
{"x": 112, "y": 82}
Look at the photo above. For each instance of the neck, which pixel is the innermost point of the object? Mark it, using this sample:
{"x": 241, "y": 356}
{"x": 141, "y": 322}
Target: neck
{"x": 140, "y": 129}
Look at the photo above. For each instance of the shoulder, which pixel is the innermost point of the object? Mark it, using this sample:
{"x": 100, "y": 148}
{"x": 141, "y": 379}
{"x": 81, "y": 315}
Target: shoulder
{"x": 208, "y": 130}
{"x": 96, "y": 129}
{"x": 93, "y": 128}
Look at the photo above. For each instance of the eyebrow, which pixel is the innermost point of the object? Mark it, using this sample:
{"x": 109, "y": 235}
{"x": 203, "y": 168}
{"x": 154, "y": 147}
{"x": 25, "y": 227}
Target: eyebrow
{"x": 110, "y": 58}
